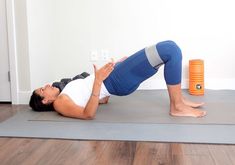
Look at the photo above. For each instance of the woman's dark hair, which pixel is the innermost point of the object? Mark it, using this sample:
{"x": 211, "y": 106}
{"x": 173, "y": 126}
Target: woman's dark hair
{"x": 36, "y": 103}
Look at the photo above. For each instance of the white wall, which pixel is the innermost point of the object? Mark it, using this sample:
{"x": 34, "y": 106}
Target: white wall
{"x": 62, "y": 33}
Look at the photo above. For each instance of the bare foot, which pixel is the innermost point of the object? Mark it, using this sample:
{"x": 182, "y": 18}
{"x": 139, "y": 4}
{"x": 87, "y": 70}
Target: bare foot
{"x": 192, "y": 104}
{"x": 185, "y": 110}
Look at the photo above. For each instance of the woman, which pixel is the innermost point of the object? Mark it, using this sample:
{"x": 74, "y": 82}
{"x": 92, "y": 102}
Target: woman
{"x": 80, "y": 98}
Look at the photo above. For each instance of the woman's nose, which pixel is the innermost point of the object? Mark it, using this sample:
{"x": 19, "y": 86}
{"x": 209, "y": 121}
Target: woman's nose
{"x": 48, "y": 85}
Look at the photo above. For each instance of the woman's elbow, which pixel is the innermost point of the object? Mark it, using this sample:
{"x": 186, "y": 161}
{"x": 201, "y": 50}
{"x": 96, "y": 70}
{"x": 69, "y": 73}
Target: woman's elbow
{"x": 88, "y": 116}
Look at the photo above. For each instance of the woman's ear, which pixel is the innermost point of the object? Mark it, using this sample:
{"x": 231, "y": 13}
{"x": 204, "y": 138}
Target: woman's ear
{"x": 45, "y": 101}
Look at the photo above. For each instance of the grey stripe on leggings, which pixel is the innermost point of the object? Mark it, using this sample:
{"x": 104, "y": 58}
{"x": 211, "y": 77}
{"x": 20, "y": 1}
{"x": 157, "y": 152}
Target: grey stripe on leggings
{"x": 153, "y": 56}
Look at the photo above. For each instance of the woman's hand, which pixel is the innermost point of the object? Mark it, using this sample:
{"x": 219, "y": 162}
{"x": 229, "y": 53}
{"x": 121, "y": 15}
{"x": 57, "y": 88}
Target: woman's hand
{"x": 122, "y": 59}
{"x": 102, "y": 73}
{"x": 104, "y": 100}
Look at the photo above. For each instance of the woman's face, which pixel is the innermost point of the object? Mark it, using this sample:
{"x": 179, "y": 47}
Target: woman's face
{"x": 48, "y": 93}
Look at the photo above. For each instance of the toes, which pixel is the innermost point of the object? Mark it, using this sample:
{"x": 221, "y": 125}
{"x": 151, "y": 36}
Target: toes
{"x": 201, "y": 104}
{"x": 196, "y": 105}
{"x": 192, "y": 104}
{"x": 203, "y": 113}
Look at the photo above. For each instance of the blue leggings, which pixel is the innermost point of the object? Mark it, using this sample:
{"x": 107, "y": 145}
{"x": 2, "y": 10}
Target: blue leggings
{"x": 129, "y": 74}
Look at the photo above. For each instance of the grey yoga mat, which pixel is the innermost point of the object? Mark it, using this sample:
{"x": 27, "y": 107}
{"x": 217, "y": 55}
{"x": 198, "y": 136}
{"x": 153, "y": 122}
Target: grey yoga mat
{"x": 141, "y": 116}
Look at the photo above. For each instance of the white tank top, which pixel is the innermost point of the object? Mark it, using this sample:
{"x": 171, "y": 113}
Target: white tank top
{"x": 80, "y": 90}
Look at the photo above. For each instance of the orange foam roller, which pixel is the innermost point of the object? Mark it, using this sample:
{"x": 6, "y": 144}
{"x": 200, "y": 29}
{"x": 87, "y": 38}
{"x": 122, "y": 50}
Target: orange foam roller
{"x": 196, "y": 77}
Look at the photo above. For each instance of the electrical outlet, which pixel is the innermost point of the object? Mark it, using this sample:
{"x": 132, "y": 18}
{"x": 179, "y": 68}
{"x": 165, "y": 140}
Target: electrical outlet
{"x": 105, "y": 55}
{"x": 94, "y": 55}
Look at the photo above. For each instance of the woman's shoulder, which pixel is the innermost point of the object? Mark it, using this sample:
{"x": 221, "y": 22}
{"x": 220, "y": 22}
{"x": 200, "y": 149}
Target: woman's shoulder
{"x": 66, "y": 107}
{"x": 61, "y": 99}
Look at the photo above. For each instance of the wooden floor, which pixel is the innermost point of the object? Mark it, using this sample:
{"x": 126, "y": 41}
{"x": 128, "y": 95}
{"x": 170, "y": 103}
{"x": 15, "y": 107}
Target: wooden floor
{"x": 27, "y": 151}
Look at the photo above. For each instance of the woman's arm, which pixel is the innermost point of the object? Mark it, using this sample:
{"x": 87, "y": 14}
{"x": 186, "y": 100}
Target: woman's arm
{"x": 92, "y": 105}
{"x": 65, "y": 106}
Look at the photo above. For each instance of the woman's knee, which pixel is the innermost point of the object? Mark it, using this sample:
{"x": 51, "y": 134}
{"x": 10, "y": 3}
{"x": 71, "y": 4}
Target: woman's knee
{"x": 169, "y": 50}
{"x": 176, "y": 53}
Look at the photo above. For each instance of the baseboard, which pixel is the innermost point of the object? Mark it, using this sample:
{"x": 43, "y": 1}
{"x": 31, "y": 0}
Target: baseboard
{"x": 210, "y": 83}
{"x": 216, "y": 83}
{"x": 155, "y": 83}
{"x": 24, "y": 97}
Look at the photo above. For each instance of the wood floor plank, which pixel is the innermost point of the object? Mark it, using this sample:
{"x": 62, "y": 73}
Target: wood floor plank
{"x": 196, "y": 149}
{"x": 230, "y": 151}
{"x": 4, "y": 141}
{"x": 105, "y": 152}
{"x": 152, "y": 153}
{"x": 7, "y": 150}
{"x": 219, "y": 155}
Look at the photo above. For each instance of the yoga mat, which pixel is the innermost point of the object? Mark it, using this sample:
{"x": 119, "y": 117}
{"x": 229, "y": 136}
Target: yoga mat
{"x": 141, "y": 116}
{"x": 153, "y": 107}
